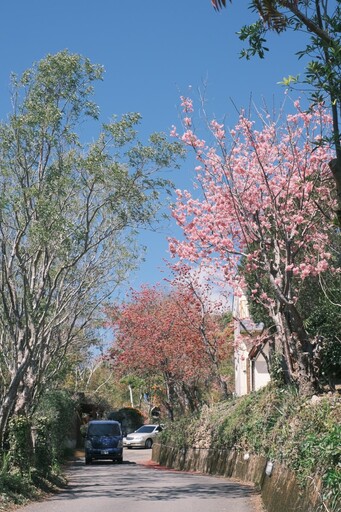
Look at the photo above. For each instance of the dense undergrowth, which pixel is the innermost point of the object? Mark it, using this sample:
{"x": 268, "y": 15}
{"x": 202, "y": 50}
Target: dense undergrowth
{"x": 303, "y": 434}
{"x": 18, "y": 489}
{"x": 27, "y": 472}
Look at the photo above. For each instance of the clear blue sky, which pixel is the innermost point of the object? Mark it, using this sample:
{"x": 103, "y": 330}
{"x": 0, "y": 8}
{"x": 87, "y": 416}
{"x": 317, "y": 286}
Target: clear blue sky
{"x": 152, "y": 51}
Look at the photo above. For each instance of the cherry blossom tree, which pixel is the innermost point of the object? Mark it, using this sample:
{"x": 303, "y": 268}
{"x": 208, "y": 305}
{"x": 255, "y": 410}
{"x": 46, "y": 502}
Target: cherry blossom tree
{"x": 320, "y": 21}
{"x": 210, "y": 306}
{"x": 157, "y": 333}
{"x": 263, "y": 199}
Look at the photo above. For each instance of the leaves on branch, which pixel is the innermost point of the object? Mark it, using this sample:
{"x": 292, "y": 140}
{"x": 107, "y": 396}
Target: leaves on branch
{"x": 267, "y": 10}
{"x": 269, "y": 13}
{"x": 218, "y": 4}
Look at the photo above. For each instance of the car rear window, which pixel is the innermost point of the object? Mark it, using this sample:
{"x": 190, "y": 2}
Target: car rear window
{"x": 146, "y": 429}
{"x": 104, "y": 429}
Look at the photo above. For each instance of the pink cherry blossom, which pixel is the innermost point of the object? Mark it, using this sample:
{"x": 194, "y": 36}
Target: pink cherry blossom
{"x": 261, "y": 196}
{"x": 186, "y": 104}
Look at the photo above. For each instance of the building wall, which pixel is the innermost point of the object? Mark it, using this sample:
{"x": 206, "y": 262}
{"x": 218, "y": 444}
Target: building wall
{"x": 241, "y": 379}
{"x": 250, "y": 375}
{"x": 261, "y": 375}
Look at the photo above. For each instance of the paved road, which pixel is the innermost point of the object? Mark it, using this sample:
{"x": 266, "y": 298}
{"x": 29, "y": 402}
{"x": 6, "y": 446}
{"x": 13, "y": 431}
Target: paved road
{"x": 137, "y": 485}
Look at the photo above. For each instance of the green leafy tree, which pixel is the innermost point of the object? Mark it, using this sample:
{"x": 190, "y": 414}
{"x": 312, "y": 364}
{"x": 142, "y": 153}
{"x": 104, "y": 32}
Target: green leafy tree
{"x": 320, "y": 303}
{"x": 321, "y": 21}
{"x": 68, "y": 218}
{"x": 319, "y": 306}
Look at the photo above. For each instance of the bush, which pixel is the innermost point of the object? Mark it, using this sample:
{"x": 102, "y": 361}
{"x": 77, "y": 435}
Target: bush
{"x": 20, "y": 448}
{"x": 44, "y": 459}
{"x": 53, "y": 422}
{"x": 131, "y": 419}
{"x": 277, "y": 423}
{"x": 26, "y": 472}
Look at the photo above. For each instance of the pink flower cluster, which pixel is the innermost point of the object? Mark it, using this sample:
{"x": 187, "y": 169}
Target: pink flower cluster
{"x": 262, "y": 197}
{"x": 187, "y": 104}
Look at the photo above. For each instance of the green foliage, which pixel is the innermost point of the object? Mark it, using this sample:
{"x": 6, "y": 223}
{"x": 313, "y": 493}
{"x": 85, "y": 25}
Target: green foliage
{"x": 43, "y": 445}
{"x": 254, "y": 34}
{"x": 20, "y": 453}
{"x": 331, "y": 358}
{"x": 70, "y": 214}
{"x": 332, "y": 486}
{"x": 263, "y": 409}
{"x": 276, "y": 370}
{"x": 257, "y": 311}
{"x": 19, "y": 489}
{"x": 49, "y": 429}
{"x": 319, "y": 306}
{"x": 278, "y": 424}
{"x": 27, "y": 471}
{"x": 315, "y": 449}
{"x": 322, "y": 314}
{"x": 321, "y": 21}
{"x": 225, "y": 319}
{"x": 53, "y": 422}
{"x": 131, "y": 419}
{"x": 15, "y": 488}
{"x": 289, "y": 80}
{"x": 182, "y": 432}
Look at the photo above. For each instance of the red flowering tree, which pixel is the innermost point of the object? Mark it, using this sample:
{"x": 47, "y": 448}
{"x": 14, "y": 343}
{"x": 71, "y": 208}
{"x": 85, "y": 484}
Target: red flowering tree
{"x": 208, "y": 315}
{"x": 157, "y": 334}
{"x": 263, "y": 201}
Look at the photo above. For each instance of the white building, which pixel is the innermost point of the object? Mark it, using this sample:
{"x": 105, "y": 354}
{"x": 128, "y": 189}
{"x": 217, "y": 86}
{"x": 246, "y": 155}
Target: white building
{"x": 251, "y": 360}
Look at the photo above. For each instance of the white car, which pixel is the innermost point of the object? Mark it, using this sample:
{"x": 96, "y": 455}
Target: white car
{"x": 142, "y": 437}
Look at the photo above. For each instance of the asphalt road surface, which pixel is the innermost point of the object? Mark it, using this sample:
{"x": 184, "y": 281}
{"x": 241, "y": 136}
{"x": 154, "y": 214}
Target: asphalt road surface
{"x": 137, "y": 485}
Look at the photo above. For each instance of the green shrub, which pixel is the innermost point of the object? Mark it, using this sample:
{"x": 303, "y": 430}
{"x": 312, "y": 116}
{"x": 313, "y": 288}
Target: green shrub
{"x": 15, "y": 488}
{"x": 180, "y": 433}
{"x": 20, "y": 451}
{"x": 53, "y": 422}
{"x": 279, "y": 424}
{"x": 44, "y": 457}
{"x": 27, "y": 470}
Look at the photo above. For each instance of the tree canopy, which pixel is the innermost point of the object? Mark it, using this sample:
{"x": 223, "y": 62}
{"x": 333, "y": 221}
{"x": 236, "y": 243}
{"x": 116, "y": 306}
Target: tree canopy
{"x": 263, "y": 197}
{"x": 68, "y": 217}
{"x": 321, "y": 22}
{"x": 168, "y": 337}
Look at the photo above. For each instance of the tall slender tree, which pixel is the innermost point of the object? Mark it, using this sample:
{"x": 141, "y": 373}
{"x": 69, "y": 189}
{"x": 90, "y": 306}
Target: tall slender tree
{"x": 68, "y": 212}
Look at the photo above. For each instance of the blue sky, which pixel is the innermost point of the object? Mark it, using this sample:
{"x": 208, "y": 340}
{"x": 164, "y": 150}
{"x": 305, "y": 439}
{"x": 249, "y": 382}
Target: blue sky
{"x": 153, "y": 51}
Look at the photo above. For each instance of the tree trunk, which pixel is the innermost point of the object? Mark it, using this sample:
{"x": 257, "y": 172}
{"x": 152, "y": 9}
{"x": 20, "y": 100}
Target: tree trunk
{"x": 9, "y": 398}
{"x": 169, "y": 403}
{"x": 297, "y": 351}
{"x": 211, "y": 351}
{"x": 223, "y": 388}
{"x": 7, "y": 410}
{"x": 335, "y": 166}
{"x": 131, "y": 395}
{"x": 189, "y": 397}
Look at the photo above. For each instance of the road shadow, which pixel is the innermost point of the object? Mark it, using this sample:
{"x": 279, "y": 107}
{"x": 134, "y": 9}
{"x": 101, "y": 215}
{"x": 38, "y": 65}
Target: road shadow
{"x": 142, "y": 483}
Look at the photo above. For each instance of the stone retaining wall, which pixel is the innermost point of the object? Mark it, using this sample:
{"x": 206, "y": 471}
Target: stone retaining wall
{"x": 279, "y": 491}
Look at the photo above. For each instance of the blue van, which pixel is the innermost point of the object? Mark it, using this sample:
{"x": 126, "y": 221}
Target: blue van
{"x": 103, "y": 440}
